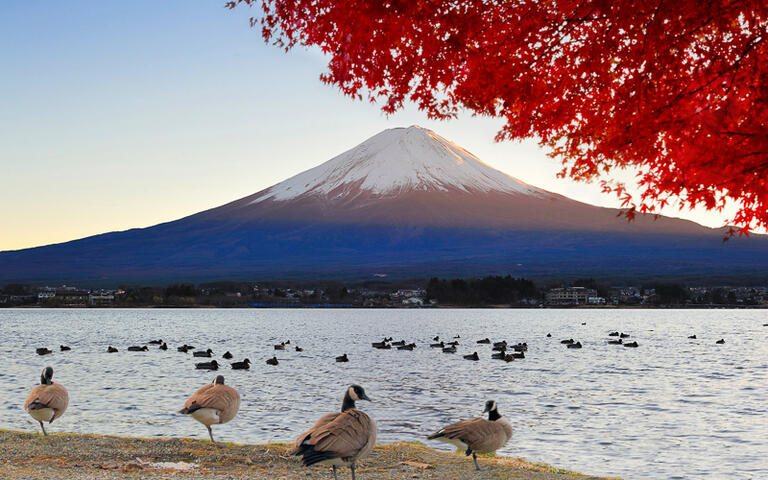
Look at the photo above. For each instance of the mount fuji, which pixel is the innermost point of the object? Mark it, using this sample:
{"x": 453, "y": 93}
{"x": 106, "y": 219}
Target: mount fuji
{"x": 405, "y": 203}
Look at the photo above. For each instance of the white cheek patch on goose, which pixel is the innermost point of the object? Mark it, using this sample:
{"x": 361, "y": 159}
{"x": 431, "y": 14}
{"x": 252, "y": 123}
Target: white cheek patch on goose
{"x": 353, "y": 395}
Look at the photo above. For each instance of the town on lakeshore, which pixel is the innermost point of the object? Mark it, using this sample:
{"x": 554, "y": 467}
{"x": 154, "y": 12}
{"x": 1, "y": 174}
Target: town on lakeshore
{"x": 484, "y": 292}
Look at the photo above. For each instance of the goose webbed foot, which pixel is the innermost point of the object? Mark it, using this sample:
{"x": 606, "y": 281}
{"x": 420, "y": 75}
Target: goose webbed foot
{"x": 477, "y": 467}
{"x": 352, "y": 469}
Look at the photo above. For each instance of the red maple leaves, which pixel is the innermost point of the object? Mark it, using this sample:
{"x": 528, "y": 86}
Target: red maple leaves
{"x": 676, "y": 91}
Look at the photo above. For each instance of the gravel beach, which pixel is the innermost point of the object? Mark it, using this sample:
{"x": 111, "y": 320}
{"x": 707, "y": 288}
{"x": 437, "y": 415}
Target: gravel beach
{"x": 79, "y": 457}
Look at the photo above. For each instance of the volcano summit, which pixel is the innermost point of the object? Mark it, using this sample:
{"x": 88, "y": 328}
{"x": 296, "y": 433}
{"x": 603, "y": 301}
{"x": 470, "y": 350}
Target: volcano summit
{"x": 404, "y": 203}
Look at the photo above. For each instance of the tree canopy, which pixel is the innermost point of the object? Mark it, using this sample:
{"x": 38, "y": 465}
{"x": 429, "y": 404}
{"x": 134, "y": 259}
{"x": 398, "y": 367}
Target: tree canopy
{"x": 674, "y": 91}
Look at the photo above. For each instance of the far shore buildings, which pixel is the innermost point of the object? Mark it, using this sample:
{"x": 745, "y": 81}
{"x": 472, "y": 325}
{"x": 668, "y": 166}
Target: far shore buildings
{"x": 573, "y": 296}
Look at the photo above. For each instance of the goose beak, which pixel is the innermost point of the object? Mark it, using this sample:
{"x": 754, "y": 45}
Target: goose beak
{"x": 365, "y": 397}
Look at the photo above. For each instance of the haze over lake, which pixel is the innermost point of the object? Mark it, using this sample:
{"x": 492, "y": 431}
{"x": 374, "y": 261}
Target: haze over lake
{"x": 672, "y": 408}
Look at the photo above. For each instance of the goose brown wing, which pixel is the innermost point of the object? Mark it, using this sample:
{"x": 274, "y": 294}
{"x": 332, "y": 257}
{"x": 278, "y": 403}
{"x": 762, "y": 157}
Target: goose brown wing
{"x": 220, "y": 397}
{"x": 53, "y": 396}
{"x": 479, "y": 434}
{"x": 325, "y": 419}
{"x": 345, "y": 436}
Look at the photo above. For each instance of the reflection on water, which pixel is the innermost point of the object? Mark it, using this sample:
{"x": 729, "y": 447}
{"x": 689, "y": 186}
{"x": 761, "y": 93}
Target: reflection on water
{"x": 672, "y": 408}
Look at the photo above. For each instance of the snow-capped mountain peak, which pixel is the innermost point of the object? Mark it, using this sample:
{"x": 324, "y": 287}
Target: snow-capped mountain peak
{"x": 395, "y": 161}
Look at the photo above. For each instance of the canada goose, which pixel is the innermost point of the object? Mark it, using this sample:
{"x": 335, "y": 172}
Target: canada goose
{"x": 280, "y": 346}
{"x": 185, "y": 348}
{"x": 213, "y": 403}
{"x": 155, "y": 342}
{"x": 398, "y": 343}
{"x": 212, "y": 365}
{"x": 164, "y": 346}
{"x": 624, "y": 335}
{"x": 138, "y": 349}
{"x": 574, "y": 345}
{"x": 299, "y": 349}
{"x": 474, "y": 357}
{"x": 244, "y": 365}
{"x": 615, "y": 342}
{"x": 720, "y": 342}
{"x": 272, "y": 361}
{"x": 340, "y": 438}
{"x": 47, "y": 401}
{"x": 485, "y": 340}
{"x": 111, "y": 349}
{"x": 477, "y": 435}
{"x": 43, "y": 351}
{"x": 227, "y": 355}
{"x": 436, "y": 339}
{"x": 631, "y": 345}
{"x": 613, "y": 334}
{"x": 566, "y": 342}
{"x": 342, "y": 358}
{"x": 64, "y": 348}
{"x": 692, "y": 337}
{"x": 437, "y": 345}
{"x": 451, "y": 349}
{"x": 408, "y": 347}
{"x": 203, "y": 353}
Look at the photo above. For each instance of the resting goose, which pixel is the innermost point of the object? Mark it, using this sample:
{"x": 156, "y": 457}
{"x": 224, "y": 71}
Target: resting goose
{"x": 477, "y": 435}
{"x": 213, "y": 403}
{"x": 47, "y": 401}
{"x": 340, "y": 438}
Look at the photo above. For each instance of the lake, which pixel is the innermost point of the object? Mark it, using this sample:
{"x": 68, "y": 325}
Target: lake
{"x": 672, "y": 408}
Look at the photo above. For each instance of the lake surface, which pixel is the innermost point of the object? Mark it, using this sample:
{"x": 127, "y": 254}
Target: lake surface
{"x": 672, "y": 408}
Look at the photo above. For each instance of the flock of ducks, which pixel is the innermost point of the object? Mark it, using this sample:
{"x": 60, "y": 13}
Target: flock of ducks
{"x": 337, "y": 439}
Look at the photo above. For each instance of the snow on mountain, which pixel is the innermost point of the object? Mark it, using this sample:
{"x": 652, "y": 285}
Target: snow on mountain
{"x": 399, "y": 160}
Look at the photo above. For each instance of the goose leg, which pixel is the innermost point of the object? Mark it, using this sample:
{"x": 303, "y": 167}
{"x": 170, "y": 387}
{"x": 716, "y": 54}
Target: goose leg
{"x": 334, "y": 473}
{"x": 474, "y": 457}
{"x": 352, "y": 469}
{"x": 210, "y": 432}
{"x": 43, "y": 427}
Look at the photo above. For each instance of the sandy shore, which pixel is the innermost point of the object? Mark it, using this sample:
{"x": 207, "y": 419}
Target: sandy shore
{"x": 79, "y": 457}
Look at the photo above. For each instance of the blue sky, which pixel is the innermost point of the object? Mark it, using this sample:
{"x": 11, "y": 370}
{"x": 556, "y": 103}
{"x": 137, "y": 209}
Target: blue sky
{"x": 117, "y": 115}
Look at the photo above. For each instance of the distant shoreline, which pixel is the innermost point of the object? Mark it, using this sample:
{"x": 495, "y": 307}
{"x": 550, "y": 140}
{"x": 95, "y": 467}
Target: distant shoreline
{"x": 88, "y": 456}
{"x": 398, "y": 307}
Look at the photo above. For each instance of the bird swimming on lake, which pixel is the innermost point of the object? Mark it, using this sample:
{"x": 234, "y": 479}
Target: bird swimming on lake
{"x": 615, "y": 342}
{"x": 399, "y": 343}
{"x": 213, "y": 404}
{"x": 566, "y": 342}
{"x": 451, "y": 349}
{"x": 721, "y": 341}
{"x": 272, "y": 361}
{"x": 624, "y": 335}
{"x": 43, "y": 351}
{"x": 185, "y": 348}
{"x": 47, "y": 401}
{"x": 212, "y": 365}
{"x": 203, "y": 353}
{"x": 340, "y": 438}
{"x": 549, "y": 335}
{"x": 111, "y": 349}
{"x": 280, "y": 346}
{"x": 342, "y": 358}
{"x": 64, "y": 348}
{"x": 631, "y": 345}
{"x": 408, "y": 347}
{"x": 692, "y": 337}
{"x": 613, "y": 334}
{"x": 573, "y": 345}
{"x": 164, "y": 346}
{"x": 473, "y": 357}
{"x": 437, "y": 345}
{"x": 299, "y": 349}
{"x": 509, "y": 358}
{"x": 155, "y": 342}
{"x": 437, "y": 338}
{"x": 138, "y": 349}
{"x": 519, "y": 354}
{"x": 477, "y": 435}
{"x": 498, "y": 355}
{"x": 227, "y": 355}
{"x": 485, "y": 340}
{"x": 244, "y": 365}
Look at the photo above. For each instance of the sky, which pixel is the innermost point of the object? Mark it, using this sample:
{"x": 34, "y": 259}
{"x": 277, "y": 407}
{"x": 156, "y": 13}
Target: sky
{"x": 116, "y": 115}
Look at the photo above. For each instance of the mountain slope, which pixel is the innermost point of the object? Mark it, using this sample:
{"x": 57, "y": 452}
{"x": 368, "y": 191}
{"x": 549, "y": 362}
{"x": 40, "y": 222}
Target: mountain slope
{"x": 404, "y": 203}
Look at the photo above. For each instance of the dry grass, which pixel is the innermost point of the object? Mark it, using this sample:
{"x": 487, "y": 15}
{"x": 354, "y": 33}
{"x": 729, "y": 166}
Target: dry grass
{"x": 80, "y": 457}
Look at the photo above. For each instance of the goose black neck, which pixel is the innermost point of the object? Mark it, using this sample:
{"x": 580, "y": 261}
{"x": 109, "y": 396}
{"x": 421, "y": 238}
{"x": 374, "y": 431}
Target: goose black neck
{"x": 348, "y": 403}
{"x": 493, "y": 415}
